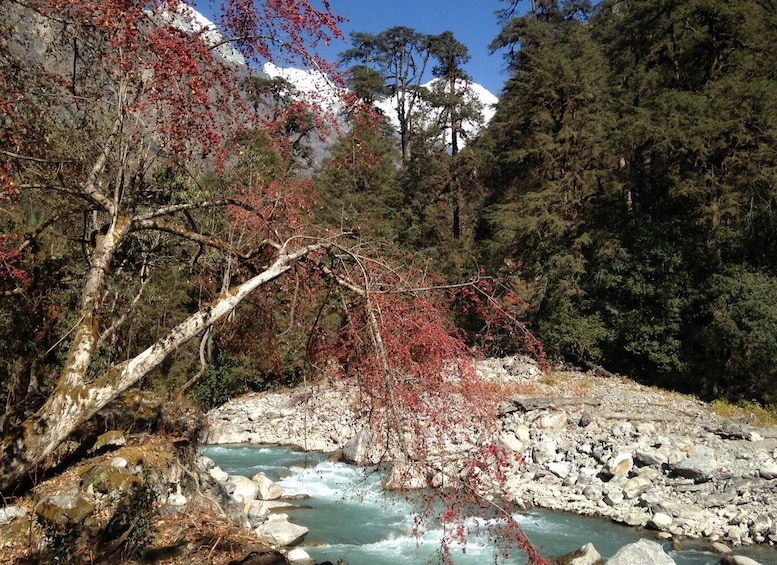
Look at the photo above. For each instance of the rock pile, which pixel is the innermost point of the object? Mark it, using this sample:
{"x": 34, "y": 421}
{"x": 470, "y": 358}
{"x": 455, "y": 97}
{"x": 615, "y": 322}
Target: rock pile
{"x": 259, "y": 497}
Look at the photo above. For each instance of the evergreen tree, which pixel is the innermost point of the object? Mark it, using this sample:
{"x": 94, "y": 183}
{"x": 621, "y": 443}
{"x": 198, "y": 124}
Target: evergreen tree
{"x": 401, "y": 55}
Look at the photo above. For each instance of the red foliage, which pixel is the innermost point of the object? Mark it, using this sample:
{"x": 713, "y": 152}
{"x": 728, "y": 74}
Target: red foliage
{"x": 497, "y": 311}
{"x": 12, "y": 274}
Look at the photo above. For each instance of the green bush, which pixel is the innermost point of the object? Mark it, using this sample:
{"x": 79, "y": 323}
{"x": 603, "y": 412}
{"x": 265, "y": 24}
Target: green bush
{"x": 738, "y": 345}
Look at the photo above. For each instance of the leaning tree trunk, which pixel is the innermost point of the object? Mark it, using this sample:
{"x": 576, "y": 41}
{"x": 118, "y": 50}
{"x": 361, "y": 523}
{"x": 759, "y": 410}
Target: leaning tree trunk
{"x": 74, "y": 401}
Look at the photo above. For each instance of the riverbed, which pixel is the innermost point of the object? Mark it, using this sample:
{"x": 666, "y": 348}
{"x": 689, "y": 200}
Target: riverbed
{"x": 351, "y": 517}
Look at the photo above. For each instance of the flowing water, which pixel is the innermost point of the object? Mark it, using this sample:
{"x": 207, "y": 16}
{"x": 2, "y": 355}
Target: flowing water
{"x": 350, "y": 517}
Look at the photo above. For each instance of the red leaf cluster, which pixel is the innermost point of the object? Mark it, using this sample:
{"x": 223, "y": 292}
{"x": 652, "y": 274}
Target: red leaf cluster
{"x": 12, "y": 274}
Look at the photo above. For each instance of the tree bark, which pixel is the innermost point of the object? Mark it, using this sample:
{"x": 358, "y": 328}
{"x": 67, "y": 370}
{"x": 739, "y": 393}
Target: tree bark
{"x": 74, "y": 401}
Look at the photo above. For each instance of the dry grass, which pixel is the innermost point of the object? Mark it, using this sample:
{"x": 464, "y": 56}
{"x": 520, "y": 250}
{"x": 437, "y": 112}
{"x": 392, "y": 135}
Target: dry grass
{"x": 750, "y": 413}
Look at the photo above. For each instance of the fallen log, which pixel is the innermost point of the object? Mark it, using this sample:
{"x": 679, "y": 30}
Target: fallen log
{"x": 546, "y": 402}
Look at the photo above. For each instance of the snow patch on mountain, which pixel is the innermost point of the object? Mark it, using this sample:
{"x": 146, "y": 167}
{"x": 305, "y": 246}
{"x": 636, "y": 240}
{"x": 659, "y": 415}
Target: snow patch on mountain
{"x": 181, "y": 16}
{"x": 316, "y": 88}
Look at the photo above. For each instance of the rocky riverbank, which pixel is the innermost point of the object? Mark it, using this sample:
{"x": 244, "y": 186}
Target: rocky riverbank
{"x": 592, "y": 445}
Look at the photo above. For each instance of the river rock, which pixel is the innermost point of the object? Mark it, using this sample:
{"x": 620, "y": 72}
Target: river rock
{"x": 720, "y": 548}
{"x": 660, "y": 521}
{"x": 635, "y": 486}
{"x": 278, "y": 531}
{"x": 738, "y": 560}
{"x": 559, "y": 468}
{"x": 586, "y": 555}
{"x": 619, "y": 465}
{"x": 357, "y": 450}
{"x": 556, "y": 421}
{"x": 268, "y": 489}
{"x": 242, "y": 489}
{"x": 642, "y": 552}
{"x": 768, "y": 471}
{"x": 298, "y": 555}
{"x": 699, "y": 466}
{"x": 218, "y": 474}
{"x": 544, "y": 452}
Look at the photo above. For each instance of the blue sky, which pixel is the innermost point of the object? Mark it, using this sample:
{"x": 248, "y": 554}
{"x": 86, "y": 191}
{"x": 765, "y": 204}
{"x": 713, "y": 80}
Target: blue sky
{"x": 473, "y": 23}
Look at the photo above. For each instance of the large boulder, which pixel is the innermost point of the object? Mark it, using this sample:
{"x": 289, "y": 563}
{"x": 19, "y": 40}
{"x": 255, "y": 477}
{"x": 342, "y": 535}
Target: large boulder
{"x": 642, "y": 552}
{"x": 278, "y": 531}
{"x": 268, "y": 489}
{"x": 699, "y": 466}
{"x": 242, "y": 489}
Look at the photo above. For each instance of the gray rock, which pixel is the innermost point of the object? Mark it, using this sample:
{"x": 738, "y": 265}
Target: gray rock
{"x": 510, "y": 442}
{"x": 11, "y": 513}
{"x": 619, "y": 465}
{"x": 278, "y": 531}
{"x": 268, "y": 490}
{"x": 720, "y": 548}
{"x": 357, "y": 449}
{"x": 643, "y": 552}
{"x": 635, "y": 486}
{"x": 768, "y": 471}
{"x": 738, "y": 560}
{"x": 649, "y": 456}
{"x": 242, "y": 489}
{"x": 544, "y": 452}
{"x": 218, "y": 474}
{"x": 298, "y": 555}
{"x": 556, "y": 421}
{"x": 559, "y": 468}
{"x": 613, "y": 497}
{"x": 700, "y": 466}
{"x": 592, "y": 493}
{"x": 660, "y": 521}
{"x": 586, "y": 555}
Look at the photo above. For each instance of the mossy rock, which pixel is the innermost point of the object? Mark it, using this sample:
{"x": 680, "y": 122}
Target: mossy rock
{"x": 106, "y": 479}
{"x": 64, "y": 510}
{"x": 112, "y": 437}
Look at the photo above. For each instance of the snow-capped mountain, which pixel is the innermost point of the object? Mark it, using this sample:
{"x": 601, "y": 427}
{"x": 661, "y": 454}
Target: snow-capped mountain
{"x": 314, "y": 86}
{"x": 318, "y": 89}
{"x": 185, "y": 18}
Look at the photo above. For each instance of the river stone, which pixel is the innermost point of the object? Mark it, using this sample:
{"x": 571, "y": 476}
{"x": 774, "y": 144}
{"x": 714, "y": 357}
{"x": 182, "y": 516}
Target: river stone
{"x": 357, "y": 449}
{"x": 586, "y": 555}
{"x": 613, "y": 497}
{"x": 660, "y": 521}
{"x": 642, "y": 552}
{"x": 557, "y": 421}
{"x": 218, "y": 474}
{"x": 242, "y": 489}
{"x": 649, "y": 456}
{"x": 720, "y": 548}
{"x": 768, "y": 471}
{"x": 559, "y": 468}
{"x": 544, "y": 452}
{"x": 619, "y": 465}
{"x": 278, "y": 531}
{"x": 635, "y": 486}
{"x": 298, "y": 555}
{"x": 761, "y": 525}
{"x": 700, "y": 466}
{"x": 738, "y": 560}
{"x": 268, "y": 490}
{"x": 510, "y": 442}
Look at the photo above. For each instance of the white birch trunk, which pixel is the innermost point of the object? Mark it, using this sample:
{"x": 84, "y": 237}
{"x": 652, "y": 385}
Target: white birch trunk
{"x": 74, "y": 401}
